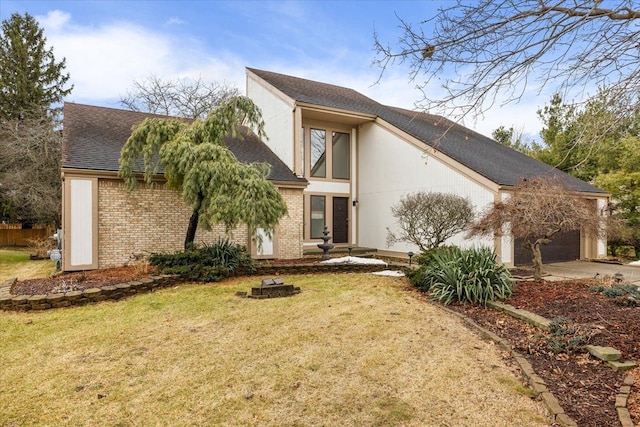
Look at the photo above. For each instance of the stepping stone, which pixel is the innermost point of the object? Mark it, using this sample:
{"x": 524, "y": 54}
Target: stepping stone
{"x": 604, "y": 353}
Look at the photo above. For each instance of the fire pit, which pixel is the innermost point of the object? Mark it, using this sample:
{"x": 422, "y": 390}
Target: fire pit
{"x": 272, "y": 288}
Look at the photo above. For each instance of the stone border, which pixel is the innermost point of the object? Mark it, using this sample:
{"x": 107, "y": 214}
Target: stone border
{"x": 542, "y": 323}
{"x": 10, "y": 302}
{"x": 536, "y": 383}
{"x": 91, "y": 295}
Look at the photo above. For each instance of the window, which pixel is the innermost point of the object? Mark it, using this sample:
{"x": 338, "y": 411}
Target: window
{"x": 317, "y": 216}
{"x": 318, "y": 153}
{"x": 327, "y": 159}
{"x": 340, "y": 156}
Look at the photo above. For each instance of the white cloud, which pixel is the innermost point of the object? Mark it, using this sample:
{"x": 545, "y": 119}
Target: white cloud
{"x": 174, "y": 20}
{"x": 54, "y": 20}
{"x": 104, "y": 61}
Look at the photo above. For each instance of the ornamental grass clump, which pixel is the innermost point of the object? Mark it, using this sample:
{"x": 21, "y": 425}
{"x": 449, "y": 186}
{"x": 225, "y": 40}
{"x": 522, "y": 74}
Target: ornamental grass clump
{"x": 209, "y": 263}
{"x": 464, "y": 275}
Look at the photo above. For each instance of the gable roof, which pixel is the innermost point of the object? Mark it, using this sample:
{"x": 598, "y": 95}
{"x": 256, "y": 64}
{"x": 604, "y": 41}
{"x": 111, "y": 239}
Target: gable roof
{"x": 93, "y": 137}
{"x": 500, "y": 164}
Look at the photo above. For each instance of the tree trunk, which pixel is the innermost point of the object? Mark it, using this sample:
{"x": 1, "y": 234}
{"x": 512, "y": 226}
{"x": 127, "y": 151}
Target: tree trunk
{"x": 537, "y": 260}
{"x": 193, "y": 225}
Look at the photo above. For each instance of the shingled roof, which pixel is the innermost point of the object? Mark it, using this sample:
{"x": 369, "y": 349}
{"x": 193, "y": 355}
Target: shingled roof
{"x": 496, "y": 162}
{"x": 93, "y": 137}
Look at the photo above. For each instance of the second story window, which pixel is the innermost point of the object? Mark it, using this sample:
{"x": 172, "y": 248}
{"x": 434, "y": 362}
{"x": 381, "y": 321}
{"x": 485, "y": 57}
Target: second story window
{"x": 327, "y": 159}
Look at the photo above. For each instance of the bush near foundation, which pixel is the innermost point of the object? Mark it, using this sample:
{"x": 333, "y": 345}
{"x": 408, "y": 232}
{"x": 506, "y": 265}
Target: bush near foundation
{"x": 209, "y": 263}
{"x": 463, "y": 275}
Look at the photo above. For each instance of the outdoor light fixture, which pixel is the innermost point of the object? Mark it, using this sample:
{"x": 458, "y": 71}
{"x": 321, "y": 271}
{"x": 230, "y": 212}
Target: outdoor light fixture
{"x": 410, "y": 254}
{"x": 349, "y": 249}
{"x": 619, "y": 276}
{"x": 355, "y": 202}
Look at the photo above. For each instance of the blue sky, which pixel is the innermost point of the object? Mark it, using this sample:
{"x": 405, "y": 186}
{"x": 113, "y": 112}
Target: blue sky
{"x": 109, "y": 44}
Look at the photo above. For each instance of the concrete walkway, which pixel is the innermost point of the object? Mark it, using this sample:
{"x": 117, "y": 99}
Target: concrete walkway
{"x": 583, "y": 269}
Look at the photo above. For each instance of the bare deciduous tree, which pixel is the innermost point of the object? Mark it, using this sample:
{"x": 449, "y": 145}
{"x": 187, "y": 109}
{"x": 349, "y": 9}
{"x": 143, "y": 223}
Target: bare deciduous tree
{"x": 177, "y": 97}
{"x": 488, "y": 51}
{"x": 427, "y": 220}
{"x": 30, "y": 155}
{"x": 537, "y": 210}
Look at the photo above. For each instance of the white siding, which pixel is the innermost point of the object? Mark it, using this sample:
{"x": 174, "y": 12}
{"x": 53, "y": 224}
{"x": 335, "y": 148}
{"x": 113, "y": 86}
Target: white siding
{"x": 279, "y": 120}
{"x": 389, "y": 168}
{"x": 602, "y": 242}
{"x": 81, "y": 220}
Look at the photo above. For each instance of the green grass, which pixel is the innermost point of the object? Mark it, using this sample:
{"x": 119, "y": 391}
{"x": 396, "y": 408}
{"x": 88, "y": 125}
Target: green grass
{"x": 15, "y": 262}
{"x": 350, "y": 350}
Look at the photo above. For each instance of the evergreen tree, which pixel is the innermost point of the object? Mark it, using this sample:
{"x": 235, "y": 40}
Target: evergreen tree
{"x": 31, "y": 80}
{"x": 31, "y": 84}
{"x": 196, "y": 161}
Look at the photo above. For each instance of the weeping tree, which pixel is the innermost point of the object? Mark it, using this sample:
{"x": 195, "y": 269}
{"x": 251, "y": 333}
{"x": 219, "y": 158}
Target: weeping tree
{"x": 196, "y": 162}
{"x": 539, "y": 209}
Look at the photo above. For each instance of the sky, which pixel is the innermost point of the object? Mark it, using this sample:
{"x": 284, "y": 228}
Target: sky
{"x": 110, "y": 44}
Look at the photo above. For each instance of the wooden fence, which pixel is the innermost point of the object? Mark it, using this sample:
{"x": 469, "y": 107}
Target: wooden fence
{"x": 15, "y": 235}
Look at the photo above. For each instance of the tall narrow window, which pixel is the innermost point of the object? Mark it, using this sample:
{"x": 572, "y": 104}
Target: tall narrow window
{"x": 340, "y": 156}
{"x": 303, "y": 147}
{"x": 317, "y": 216}
{"x": 318, "y": 155}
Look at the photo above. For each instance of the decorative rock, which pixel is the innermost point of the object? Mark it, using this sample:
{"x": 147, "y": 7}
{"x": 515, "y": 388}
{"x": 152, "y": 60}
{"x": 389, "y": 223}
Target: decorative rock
{"x": 531, "y": 318}
{"x": 92, "y": 293}
{"x": 55, "y": 298}
{"x": 5, "y": 302}
{"x": 625, "y": 417}
{"x": 622, "y": 366}
{"x": 108, "y": 290}
{"x": 621, "y": 401}
{"x": 604, "y": 353}
{"x": 73, "y": 295}
{"x": 19, "y": 300}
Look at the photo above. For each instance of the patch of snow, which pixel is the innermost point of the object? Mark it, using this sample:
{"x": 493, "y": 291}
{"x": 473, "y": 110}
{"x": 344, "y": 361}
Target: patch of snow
{"x": 354, "y": 260}
{"x": 391, "y": 273}
{"x": 635, "y": 262}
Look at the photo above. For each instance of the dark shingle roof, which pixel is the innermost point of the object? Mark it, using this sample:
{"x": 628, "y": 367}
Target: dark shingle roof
{"x": 496, "y": 162}
{"x": 94, "y": 136}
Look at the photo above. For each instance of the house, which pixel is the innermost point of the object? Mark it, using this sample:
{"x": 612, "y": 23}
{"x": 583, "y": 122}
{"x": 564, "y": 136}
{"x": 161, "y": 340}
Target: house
{"x": 360, "y": 157}
{"x": 105, "y": 225}
{"x": 339, "y": 158}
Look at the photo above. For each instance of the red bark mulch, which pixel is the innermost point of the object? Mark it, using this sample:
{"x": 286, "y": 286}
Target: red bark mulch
{"x": 585, "y": 387}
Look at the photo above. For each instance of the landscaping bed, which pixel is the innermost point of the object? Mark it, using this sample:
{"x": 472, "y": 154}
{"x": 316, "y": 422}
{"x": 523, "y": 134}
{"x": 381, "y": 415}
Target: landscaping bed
{"x": 585, "y": 387}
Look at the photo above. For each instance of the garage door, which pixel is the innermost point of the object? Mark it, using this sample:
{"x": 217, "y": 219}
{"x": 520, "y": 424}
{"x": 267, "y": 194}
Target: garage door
{"x": 563, "y": 247}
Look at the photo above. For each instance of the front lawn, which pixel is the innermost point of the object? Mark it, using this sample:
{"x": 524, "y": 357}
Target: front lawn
{"x": 350, "y": 350}
{"x": 15, "y": 262}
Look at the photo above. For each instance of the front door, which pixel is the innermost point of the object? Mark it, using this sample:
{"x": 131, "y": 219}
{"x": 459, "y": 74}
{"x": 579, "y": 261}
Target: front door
{"x": 340, "y": 220}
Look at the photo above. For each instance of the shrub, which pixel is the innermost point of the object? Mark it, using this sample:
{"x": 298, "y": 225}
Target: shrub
{"x": 427, "y": 220}
{"x": 565, "y": 336}
{"x": 470, "y": 275}
{"x": 209, "y": 263}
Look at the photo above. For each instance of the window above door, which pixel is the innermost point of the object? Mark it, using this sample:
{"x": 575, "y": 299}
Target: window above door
{"x": 327, "y": 153}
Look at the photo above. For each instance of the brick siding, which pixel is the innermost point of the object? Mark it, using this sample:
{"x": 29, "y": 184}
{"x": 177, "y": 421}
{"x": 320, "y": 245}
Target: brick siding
{"x": 154, "y": 219}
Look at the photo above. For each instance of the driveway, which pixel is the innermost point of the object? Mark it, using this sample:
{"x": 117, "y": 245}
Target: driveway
{"x": 580, "y": 269}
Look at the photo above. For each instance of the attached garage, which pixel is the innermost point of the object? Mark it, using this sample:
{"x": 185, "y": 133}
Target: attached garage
{"x": 564, "y": 247}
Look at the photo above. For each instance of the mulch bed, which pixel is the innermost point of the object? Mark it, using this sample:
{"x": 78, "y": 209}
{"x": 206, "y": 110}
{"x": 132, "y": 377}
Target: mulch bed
{"x": 79, "y": 281}
{"x": 585, "y": 387}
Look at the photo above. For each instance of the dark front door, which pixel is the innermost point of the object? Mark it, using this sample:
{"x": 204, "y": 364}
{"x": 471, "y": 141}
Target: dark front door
{"x": 340, "y": 220}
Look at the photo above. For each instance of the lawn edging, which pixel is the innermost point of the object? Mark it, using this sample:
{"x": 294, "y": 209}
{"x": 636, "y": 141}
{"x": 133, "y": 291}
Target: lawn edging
{"x": 86, "y": 296}
{"x": 536, "y": 383}
{"x": 542, "y": 323}
{"x": 9, "y": 302}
